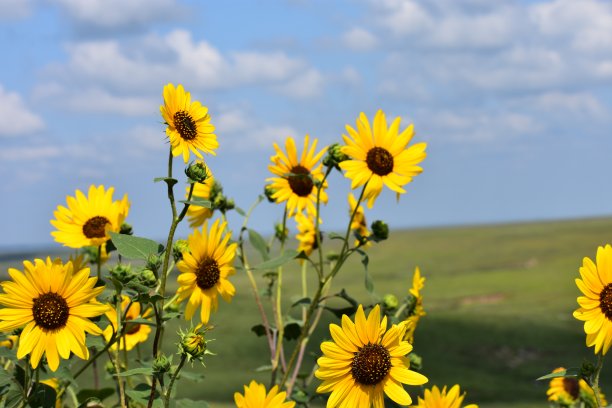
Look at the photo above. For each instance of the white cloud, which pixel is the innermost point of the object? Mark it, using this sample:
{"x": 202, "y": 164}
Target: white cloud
{"x": 359, "y": 39}
{"x": 580, "y": 104}
{"x": 15, "y": 118}
{"x": 119, "y": 13}
{"x": 307, "y": 85}
{"x": 15, "y": 9}
{"x": 32, "y": 153}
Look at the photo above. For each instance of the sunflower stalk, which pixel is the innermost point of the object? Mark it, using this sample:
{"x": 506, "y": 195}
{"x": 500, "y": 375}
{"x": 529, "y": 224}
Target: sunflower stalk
{"x": 280, "y": 327}
{"x": 595, "y": 380}
{"x": 172, "y": 380}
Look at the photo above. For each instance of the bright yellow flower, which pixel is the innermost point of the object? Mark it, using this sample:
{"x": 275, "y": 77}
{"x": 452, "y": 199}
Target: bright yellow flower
{"x": 568, "y": 390}
{"x": 54, "y": 303}
{"x": 205, "y": 269}
{"x": 359, "y": 221}
{"x": 435, "y": 398}
{"x": 135, "y": 333}
{"x": 418, "y": 283}
{"x": 596, "y": 304}
{"x": 364, "y": 362}
{"x": 379, "y": 156}
{"x": 417, "y": 311}
{"x": 306, "y": 233}
{"x": 87, "y": 220}
{"x": 198, "y": 214}
{"x": 189, "y": 127}
{"x": 295, "y": 181}
{"x": 255, "y": 396}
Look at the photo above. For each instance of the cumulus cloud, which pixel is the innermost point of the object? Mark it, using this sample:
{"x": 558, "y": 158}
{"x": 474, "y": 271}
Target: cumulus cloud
{"x": 114, "y": 14}
{"x": 14, "y": 9}
{"x": 15, "y": 118}
{"x": 359, "y": 39}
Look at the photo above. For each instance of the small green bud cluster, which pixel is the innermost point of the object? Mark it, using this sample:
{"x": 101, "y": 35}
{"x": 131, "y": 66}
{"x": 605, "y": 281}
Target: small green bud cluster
{"x": 193, "y": 344}
{"x": 126, "y": 229}
{"x": 269, "y": 192}
{"x": 380, "y": 230}
{"x": 162, "y": 365}
{"x": 334, "y": 156}
{"x": 280, "y": 233}
{"x": 197, "y": 172}
{"x": 390, "y": 301}
{"x": 122, "y": 273}
{"x": 218, "y": 200}
{"x": 178, "y": 248}
{"x": 147, "y": 278}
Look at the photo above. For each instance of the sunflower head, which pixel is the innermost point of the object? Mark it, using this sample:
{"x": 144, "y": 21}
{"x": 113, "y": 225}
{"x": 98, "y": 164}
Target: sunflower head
{"x": 205, "y": 269}
{"x": 359, "y": 224}
{"x": 189, "y": 128}
{"x": 566, "y": 391}
{"x": 255, "y": 396}
{"x": 307, "y": 233}
{"x": 134, "y": 332}
{"x": 365, "y": 361}
{"x": 297, "y": 178}
{"x": 52, "y": 303}
{"x": 596, "y": 303}
{"x": 379, "y": 155}
{"x": 436, "y": 398}
{"x": 204, "y": 191}
{"x": 87, "y": 219}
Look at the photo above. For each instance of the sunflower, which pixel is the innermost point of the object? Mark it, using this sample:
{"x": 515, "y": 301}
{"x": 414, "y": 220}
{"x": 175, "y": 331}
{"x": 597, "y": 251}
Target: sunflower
{"x": 198, "y": 214}
{"x": 366, "y": 361}
{"x": 295, "y": 183}
{"x": 596, "y": 304}
{"x": 435, "y": 398}
{"x": 306, "y": 233}
{"x": 205, "y": 267}
{"x": 416, "y": 310}
{"x": 54, "y": 303}
{"x": 87, "y": 220}
{"x": 359, "y": 224}
{"x": 134, "y": 332}
{"x": 189, "y": 127}
{"x": 568, "y": 390}
{"x": 379, "y": 156}
{"x": 255, "y": 396}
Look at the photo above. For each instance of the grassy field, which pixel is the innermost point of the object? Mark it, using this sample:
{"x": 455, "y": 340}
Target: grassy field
{"x": 498, "y": 299}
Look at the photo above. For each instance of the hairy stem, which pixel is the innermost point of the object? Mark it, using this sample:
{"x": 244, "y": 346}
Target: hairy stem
{"x": 172, "y": 380}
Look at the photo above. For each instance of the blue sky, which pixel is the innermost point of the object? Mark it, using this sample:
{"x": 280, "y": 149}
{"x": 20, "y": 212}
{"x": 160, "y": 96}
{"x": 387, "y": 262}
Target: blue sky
{"x": 514, "y": 99}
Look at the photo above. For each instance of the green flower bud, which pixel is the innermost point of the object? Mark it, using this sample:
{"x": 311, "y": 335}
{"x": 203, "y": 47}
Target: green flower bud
{"x": 587, "y": 370}
{"x": 416, "y": 362}
{"x": 193, "y": 344}
{"x": 154, "y": 262}
{"x": 109, "y": 367}
{"x": 197, "y": 171}
{"x": 334, "y": 156}
{"x": 147, "y": 278}
{"x": 269, "y": 192}
{"x": 333, "y": 256}
{"x": 162, "y": 364}
{"x": 380, "y": 230}
{"x": 280, "y": 233}
{"x": 178, "y": 248}
{"x": 126, "y": 229}
{"x": 122, "y": 273}
{"x": 390, "y": 301}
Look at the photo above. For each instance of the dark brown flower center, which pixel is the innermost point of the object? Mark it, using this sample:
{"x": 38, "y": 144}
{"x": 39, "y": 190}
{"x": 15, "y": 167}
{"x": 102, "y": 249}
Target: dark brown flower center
{"x": 50, "y": 311}
{"x": 380, "y": 161}
{"x": 605, "y": 301}
{"x": 207, "y": 274}
{"x": 131, "y": 328}
{"x": 300, "y": 181}
{"x": 371, "y": 364}
{"x": 570, "y": 385}
{"x": 185, "y": 125}
{"x": 95, "y": 227}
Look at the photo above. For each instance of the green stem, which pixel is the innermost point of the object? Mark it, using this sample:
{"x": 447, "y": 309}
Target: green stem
{"x": 280, "y": 327}
{"x": 595, "y": 381}
{"x": 172, "y": 380}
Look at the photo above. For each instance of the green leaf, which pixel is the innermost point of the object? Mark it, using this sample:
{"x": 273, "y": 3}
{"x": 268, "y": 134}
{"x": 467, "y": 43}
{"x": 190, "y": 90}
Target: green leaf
{"x": 333, "y": 235}
{"x": 274, "y": 263}
{"x": 133, "y": 247}
{"x": 259, "y": 330}
{"x": 43, "y": 396}
{"x": 198, "y": 202}
{"x": 141, "y": 393}
{"x": 171, "y": 315}
{"x": 169, "y": 180}
{"x": 342, "y": 311}
{"x": 100, "y": 394}
{"x": 191, "y": 376}
{"x": 302, "y": 301}
{"x": 570, "y": 372}
{"x": 95, "y": 341}
{"x": 292, "y": 331}
{"x": 140, "y": 320}
{"x": 187, "y": 403}
{"x": 136, "y": 371}
{"x": 365, "y": 260}
{"x": 240, "y": 211}
{"x": 263, "y": 368}
{"x": 259, "y": 244}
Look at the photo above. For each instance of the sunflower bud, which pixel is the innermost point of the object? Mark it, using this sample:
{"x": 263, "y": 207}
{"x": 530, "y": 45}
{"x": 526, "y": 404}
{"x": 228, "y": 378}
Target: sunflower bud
{"x": 178, "y": 248}
{"x": 154, "y": 262}
{"x": 280, "y": 232}
{"x": 334, "y": 156}
{"x": 126, "y": 229}
{"x": 197, "y": 171}
{"x": 380, "y": 230}
{"x": 122, "y": 273}
{"x": 390, "y": 301}
{"x": 193, "y": 344}
{"x": 269, "y": 192}
{"x": 147, "y": 278}
{"x": 161, "y": 365}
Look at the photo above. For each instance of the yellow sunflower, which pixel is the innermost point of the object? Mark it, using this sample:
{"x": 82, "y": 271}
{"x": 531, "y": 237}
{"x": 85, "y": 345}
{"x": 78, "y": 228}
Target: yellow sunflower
{"x": 87, "y": 220}
{"x": 417, "y": 311}
{"x": 596, "y": 304}
{"x": 205, "y": 269}
{"x": 306, "y": 233}
{"x": 135, "y": 333}
{"x": 54, "y": 303}
{"x": 379, "y": 156}
{"x": 197, "y": 214}
{"x": 9, "y": 342}
{"x": 366, "y": 361}
{"x": 255, "y": 396}
{"x": 295, "y": 181}
{"x": 359, "y": 224}
{"x": 435, "y": 398}
{"x": 189, "y": 127}
{"x": 568, "y": 390}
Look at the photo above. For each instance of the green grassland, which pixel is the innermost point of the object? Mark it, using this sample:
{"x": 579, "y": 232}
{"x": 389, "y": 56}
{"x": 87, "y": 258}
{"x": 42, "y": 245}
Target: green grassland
{"x": 499, "y": 302}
